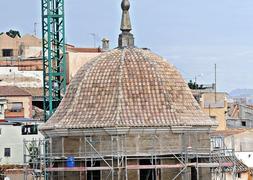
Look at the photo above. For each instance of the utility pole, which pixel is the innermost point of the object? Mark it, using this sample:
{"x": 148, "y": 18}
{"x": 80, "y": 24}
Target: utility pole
{"x": 94, "y": 39}
{"x": 215, "y": 81}
{"x": 35, "y": 29}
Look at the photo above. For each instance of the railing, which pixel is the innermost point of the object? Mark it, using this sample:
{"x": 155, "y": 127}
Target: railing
{"x": 12, "y": 114}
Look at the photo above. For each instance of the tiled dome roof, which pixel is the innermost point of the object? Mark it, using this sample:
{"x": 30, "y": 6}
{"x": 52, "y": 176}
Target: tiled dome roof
{"x": 127, "y": 87}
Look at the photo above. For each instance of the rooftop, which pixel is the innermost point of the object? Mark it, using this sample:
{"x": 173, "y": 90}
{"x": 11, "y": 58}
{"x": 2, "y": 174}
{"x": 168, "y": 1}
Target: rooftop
{"x": 136, "y": 89}
{"x": 6, "y": 91}
{"x": 228, "y": 132}
{"x": 84, "y": 50}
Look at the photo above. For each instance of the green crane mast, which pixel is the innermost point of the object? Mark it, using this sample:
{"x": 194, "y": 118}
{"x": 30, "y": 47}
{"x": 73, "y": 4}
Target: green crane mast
{"x": 54, "y": 54}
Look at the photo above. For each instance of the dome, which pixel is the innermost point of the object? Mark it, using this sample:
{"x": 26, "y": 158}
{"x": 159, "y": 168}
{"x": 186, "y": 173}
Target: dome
{"x": 127, "y": 87}
{"x": 126, "y": 109}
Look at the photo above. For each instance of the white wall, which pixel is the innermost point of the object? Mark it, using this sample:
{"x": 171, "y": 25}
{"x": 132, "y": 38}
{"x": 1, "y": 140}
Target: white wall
{"x": 3, "y": 106}
{"x": 246, "y": 158}
{"x": 32, "y": 52}
{"x": 11, "y": 137}
{"x": 244, "y": 176}
{"x": 12, "y": 76}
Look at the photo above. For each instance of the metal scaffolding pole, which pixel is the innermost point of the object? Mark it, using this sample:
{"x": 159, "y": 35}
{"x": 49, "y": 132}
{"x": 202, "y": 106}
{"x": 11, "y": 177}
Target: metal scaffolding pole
{"x": 42, "y": 162}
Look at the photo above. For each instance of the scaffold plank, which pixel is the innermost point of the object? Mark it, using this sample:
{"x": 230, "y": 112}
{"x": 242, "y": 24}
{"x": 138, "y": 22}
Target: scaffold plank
{"x": 136, "y": 167}
{"x": 76, "y": 169}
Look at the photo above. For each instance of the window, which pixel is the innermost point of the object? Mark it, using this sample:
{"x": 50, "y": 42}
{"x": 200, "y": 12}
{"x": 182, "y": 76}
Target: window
{"x": 29, "y": 129}
{"x": 1, "y": 109}
{"x": 15, "y": 107}
{"x": 217, "y": 142}
{"x": 7, "y": 52}
{"x": 239, "y": 175}
{"x": 244, "y": 123}
{"x": 7, "y": 152}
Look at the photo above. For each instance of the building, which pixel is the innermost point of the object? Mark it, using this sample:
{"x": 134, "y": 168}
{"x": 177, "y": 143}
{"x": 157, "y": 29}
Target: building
{"x": 13, "y": 133}
{"x": 15, "y": 103}
{"x": 9, "y": 46}
{"x": 21, "y": 74}
{"x": 198, "y": 90}
{"x": 23, "y": 67}
{"x": 28, "y": 72}
{"x": 14, "y": 47}
{"x": 215, "y": 105}
{"x": 21, "y": 59}
{"x": 240, "y": 116}
{"x": 30, "y": 46}
{"x": 77, "y": 57}
{"x": 19, "y": 121}
{"x": 240, "y": 141}
{"x": 128, "y": 114}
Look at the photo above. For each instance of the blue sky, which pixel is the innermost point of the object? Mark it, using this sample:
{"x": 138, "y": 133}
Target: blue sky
{"x": 193, "y": 35}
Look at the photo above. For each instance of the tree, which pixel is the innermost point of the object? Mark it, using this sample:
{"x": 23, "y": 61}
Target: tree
{"x": 13, "y": 33}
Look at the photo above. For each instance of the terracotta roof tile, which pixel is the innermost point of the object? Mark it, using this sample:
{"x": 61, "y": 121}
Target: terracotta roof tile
{"x": 239, "y": 165}
{"x": 84, "y": 50}
{"x": 34, "y": 91}
{"x": 12, "y": 91}
{"x": 228, "y": 132}
{"x": 128, "y": 87}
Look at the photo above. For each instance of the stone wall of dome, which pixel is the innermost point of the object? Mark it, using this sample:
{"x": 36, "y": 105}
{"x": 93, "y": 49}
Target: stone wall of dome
{"x": 135, "y": 145}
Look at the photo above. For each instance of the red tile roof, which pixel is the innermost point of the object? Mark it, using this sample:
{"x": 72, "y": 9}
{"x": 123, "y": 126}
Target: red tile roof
{"x": 84, "y": 50}
{"x": 128, "y": 87}
{"x": 228, "y": 132}
{"x": 6, "y": 91}
{"x": 34, "y": 91}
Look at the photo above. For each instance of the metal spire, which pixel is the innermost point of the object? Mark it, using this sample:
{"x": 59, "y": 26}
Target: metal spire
{"x": 126, "y": 39}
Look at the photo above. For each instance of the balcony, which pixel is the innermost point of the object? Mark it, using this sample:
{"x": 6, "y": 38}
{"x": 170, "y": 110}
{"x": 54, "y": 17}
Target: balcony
{"x": 15, "y": 114}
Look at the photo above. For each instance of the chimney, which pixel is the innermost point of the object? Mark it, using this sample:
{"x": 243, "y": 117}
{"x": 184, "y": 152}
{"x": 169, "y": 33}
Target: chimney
{"x": 105, "y": 44}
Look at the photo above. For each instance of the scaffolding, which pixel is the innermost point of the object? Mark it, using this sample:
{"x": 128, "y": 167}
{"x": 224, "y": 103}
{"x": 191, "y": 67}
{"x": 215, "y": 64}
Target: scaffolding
{"x": 54, "y": 55}
{"x": 41, "y": 163}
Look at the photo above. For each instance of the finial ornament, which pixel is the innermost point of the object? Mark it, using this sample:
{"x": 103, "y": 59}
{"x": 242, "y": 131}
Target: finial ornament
{"x": 126, "y": 39}
{"x": 125, "y": 21}
{"x": 125, "y": 5}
